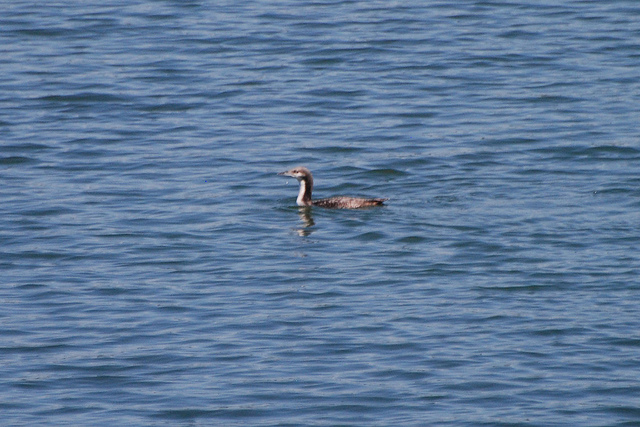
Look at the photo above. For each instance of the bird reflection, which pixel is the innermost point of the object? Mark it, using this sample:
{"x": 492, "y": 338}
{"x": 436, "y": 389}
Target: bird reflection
{"x": 307, "y": 221}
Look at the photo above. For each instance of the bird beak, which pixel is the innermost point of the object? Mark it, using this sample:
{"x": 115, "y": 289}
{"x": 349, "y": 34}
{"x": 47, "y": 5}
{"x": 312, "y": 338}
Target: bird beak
{"x": 286, "y": 173}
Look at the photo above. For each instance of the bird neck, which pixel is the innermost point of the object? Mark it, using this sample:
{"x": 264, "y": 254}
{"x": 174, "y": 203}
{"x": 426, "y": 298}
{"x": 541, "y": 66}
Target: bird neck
{"x": 304, "y": 196}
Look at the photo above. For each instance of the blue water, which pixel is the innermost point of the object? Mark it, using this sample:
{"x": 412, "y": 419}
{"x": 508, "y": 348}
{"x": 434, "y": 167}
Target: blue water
{"x": 156, "y": 271}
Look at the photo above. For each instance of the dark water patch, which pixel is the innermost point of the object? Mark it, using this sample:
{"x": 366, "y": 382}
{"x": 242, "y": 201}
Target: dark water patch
{"x": 413, "y": 239}
{"x": 230, "y": 414}
{"x": 616, "y": 191}
{"x": 511, "y": 141}
{"x": 583, "y": 152}
{"x": 553, "y": 99}
{"x": 41, "y": 348}
{"x": 325, "y": 62}
{"x": 518, "y": 34}
{"x": 525, "y": 288}
{"x": 624, "y": 342}
{"x": 417, "y": 115}
{"x": 370, "y": 236}
{"x": 336, "y": 149}
{"x": 24, "y": 147}
{"x": 45, "y": 32}
{"x": 249, "y": 83}
{"x": 49, "y": 211}
{"x": 15, "y": 160}
{"x": 335, "y": 93}
{"x": 610, "y": 152}
{"x": 172, "y": 107}
{"x": 32, "y": 286}
{"x": 385, "y": 172}
{"x": 626, "y": 411}
{"x": 85, "y": 97}
{"x": 95, "y": 140}
{"x": 560, "y": 332}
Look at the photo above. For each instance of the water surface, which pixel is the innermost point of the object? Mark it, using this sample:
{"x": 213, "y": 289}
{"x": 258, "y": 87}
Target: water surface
{"x": 156, "y": 271}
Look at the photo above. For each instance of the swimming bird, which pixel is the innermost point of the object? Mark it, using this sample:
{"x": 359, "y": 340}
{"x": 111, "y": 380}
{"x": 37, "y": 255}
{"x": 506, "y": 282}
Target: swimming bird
{"x": 303, "y": 175}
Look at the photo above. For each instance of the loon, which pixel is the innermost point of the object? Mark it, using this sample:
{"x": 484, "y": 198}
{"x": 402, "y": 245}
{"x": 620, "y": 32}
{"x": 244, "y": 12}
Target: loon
{"x": 303, "y": 175}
